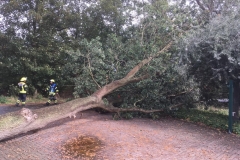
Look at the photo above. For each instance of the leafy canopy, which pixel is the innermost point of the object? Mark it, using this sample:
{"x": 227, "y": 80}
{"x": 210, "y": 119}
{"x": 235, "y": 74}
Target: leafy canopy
{"x": 212, "y": 53}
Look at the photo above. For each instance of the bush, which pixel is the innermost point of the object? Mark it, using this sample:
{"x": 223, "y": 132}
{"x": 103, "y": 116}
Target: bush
{"x": 3, "y": 99}
{"x": 13, "y": 90}
{"x": 236, "y": 128}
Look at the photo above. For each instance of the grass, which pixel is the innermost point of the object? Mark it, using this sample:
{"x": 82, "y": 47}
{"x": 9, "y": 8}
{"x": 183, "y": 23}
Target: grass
{"x": 30, "y": 99}
{"x": 12, "y": 100}
{"x": 3, "y": 99}
{"x": 213, "y": 117}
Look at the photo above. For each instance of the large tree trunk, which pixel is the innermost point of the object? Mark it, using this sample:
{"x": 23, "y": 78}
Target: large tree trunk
{"x": 15, "y": 123}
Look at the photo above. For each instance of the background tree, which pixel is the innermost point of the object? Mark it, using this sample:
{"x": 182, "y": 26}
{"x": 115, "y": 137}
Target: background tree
{"x": 212, "y": 55}
{"x": 39, "y": 32}
{"x": 195, "y": 13}
{"x": 36, "y": 30}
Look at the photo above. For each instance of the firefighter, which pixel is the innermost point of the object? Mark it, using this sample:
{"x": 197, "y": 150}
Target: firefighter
{"x": 22, "y": 91}
{"x": 52, "y": 91}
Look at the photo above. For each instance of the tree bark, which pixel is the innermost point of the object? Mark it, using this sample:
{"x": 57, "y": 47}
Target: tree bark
{"x": 14, "y": 123}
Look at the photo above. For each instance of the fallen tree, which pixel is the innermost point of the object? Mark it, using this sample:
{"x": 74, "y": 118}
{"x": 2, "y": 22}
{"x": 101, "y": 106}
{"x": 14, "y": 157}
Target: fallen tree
{"x": 14, "y": 123}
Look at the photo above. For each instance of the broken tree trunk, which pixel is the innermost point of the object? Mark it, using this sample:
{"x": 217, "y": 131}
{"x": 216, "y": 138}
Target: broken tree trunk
{"x": 15, "y": 123}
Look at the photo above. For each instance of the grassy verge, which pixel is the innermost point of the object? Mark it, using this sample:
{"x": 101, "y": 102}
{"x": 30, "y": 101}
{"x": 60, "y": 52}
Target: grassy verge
{"x": 216, "y": 118}
{"x": 30, "y": 99}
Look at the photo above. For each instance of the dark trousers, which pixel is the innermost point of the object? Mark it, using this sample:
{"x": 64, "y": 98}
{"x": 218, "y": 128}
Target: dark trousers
{"x": 52, "y": 97}
{"x": 21, "y": 98}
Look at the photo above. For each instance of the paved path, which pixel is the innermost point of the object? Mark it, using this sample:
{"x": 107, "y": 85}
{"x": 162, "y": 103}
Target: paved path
{"x": 137, "y": 139}
{"x": 11, "y": 108}
{"x": 6, "y": 109}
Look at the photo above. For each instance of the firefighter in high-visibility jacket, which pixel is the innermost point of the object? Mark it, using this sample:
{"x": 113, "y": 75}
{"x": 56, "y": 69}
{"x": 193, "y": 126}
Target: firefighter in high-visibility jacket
{"x": 52, "y": 91}
{"x": 22, "y": 86}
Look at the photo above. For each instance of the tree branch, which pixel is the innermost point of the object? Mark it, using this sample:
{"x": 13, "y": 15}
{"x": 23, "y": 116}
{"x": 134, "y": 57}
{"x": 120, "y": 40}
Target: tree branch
{"x": 90, "y": 72}
{"x": 129, "y": 77}
{"x": 110, "y": 108}
{"x": 181, "y": 93}
{"x": 200, "y": 5}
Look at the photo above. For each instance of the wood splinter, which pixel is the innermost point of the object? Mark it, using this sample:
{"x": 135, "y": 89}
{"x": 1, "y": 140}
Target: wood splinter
{"x": 28, "y": 114}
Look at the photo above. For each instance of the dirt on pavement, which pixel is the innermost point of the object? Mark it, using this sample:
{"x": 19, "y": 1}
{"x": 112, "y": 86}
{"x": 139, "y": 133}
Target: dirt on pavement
{"x": 135, "y": 139}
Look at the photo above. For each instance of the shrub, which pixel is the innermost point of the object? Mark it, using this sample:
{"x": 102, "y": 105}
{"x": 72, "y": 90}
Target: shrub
{"x": 236, "y": 128}
{"x": 3, "y": 99}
